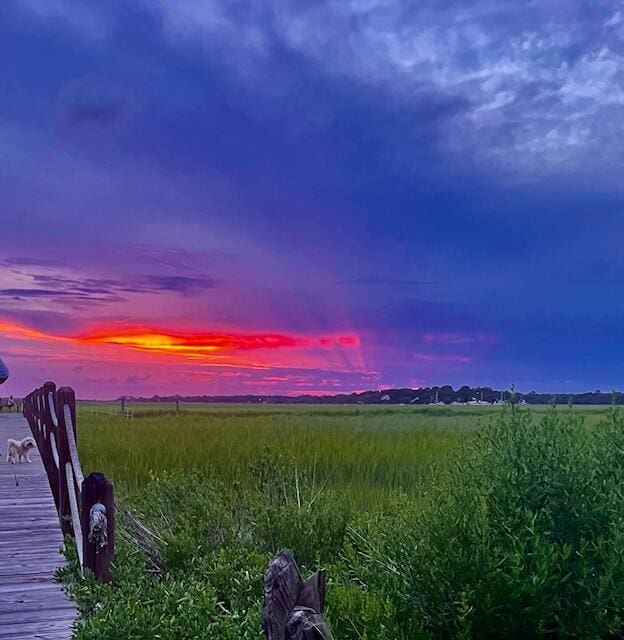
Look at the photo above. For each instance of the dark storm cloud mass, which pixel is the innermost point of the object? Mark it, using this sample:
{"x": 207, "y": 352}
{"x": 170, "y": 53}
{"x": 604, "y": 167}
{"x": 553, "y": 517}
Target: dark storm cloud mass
{"x": 454, "y": 166}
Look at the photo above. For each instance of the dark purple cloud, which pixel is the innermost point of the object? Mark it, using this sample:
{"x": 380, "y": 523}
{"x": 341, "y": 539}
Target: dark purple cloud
{"x": 97, "y": 287}
{"x": 26, "y": 261}
{"x": 179, "y": 284}
{"x": 34, "y": 293}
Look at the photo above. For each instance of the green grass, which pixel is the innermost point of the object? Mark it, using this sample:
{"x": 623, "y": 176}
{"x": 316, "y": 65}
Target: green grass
{"x": 363, "y": 451}
{"x": 433, "y": 522}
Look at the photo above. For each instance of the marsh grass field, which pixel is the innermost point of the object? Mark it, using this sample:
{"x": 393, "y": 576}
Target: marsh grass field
{"x": 362, "y": 450}
{"x": 433, "y": 522}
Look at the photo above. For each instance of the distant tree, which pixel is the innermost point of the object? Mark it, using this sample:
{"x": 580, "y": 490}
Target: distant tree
{"x": 464, "y": 393}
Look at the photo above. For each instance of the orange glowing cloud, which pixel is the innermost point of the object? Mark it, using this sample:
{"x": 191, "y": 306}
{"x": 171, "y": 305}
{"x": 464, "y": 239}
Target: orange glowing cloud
{"x": 191, "y": 344}
{"x": 13, "y": 330}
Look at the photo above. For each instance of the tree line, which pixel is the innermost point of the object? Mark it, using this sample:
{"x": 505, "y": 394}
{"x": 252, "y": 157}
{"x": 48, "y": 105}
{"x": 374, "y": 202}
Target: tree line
{"x": 425, "y": 395}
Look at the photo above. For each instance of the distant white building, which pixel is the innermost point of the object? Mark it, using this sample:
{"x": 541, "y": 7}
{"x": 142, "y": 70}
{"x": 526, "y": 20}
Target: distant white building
{"x": 385, "y": 398}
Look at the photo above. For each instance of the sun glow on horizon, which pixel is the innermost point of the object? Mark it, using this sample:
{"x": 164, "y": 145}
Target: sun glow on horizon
{"x": 194, "y": 343}
{"x": 185, "y": 344}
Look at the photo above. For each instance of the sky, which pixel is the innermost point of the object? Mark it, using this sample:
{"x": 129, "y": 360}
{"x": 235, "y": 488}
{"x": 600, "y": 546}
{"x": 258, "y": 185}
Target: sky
{"x": 264, "y": 196}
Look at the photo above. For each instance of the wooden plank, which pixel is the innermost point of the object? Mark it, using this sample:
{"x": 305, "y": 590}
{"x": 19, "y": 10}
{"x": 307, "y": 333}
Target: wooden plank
{"x": 36, "y": 605}
{"x": 27, "y": 593}
{"x": 37, "y": 630}
{"x": 32, "y": 603}
{"x": 38, "y": 538}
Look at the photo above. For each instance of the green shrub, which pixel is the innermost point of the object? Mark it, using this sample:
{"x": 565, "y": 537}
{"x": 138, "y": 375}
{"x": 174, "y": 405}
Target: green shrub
{"x": 522, "y": 537}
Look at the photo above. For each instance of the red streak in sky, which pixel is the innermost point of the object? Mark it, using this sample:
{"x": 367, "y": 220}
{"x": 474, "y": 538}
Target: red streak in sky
{"x": 194, "y": 343}
{"x": 151, "y": 339}
{"x": 14, "y": 330}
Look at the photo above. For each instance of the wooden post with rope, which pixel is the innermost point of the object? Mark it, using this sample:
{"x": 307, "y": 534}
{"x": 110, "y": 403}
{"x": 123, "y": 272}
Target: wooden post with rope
{"x": 98, "y": 524}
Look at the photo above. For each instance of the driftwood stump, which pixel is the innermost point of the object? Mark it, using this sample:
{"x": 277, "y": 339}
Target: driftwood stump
{"x": 293, "y": 609}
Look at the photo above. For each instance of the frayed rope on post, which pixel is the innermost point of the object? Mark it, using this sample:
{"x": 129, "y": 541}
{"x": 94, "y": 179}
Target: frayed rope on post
{"x": 98, "y": 526}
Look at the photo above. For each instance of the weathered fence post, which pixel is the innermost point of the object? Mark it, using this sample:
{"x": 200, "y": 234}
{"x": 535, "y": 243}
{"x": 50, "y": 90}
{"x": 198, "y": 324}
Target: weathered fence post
{"x": 98, "y": 524}
{"x": 178, "y": 406}
{"x": 64, "y": 396}
{"x": 293, "y": 609}
{"x": 45, "y": 440}
{"x": 123, "y": 405}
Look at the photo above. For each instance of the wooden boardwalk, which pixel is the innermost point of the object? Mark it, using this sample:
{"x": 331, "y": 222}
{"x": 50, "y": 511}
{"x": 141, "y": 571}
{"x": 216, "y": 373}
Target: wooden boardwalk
{"x": 32, "y": 603}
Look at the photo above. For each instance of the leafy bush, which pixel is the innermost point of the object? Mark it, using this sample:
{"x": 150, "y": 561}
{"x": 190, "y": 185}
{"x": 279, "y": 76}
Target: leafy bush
{"x": 522, "y": 537}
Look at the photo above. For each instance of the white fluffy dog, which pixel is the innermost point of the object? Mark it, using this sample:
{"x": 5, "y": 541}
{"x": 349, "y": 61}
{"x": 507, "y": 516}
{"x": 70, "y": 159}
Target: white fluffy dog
{"x": 19, "y": 450}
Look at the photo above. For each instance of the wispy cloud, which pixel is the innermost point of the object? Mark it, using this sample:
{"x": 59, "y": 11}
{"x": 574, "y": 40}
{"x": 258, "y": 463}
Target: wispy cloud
{"x": 56, "y": 286}
{"x": 53, "y": 293}
{"x": 454, "y": 337}
{"x": 29, "y": 261}
{"x": 89, "y": 111}
{"x": 390, "y": 282}
{"x": 442, "y": 357}
{"x": 90, "y": 19}
{"x": 180, "y": 284}
{"x": 530, "y": 86}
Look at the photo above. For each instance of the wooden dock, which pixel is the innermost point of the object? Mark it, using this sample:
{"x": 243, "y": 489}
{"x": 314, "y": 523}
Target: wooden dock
{"x": 32, "y": 604}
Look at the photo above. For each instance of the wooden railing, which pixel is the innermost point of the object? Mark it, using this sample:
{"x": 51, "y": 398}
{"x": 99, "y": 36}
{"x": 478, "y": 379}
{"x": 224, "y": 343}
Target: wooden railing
{"x": 85, "y": 506}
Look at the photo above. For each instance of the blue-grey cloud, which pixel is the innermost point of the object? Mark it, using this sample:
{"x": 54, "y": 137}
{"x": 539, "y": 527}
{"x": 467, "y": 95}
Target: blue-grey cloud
{"x": 390, "y": 282}
{"x": 180, "y": 284}
{"x": 64, "y": 289}
{"x": 86, "y": 111}
{"x": 35, "y": 293}
{"x": 29, "y": 261}
{"x": 89, "y": 19}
